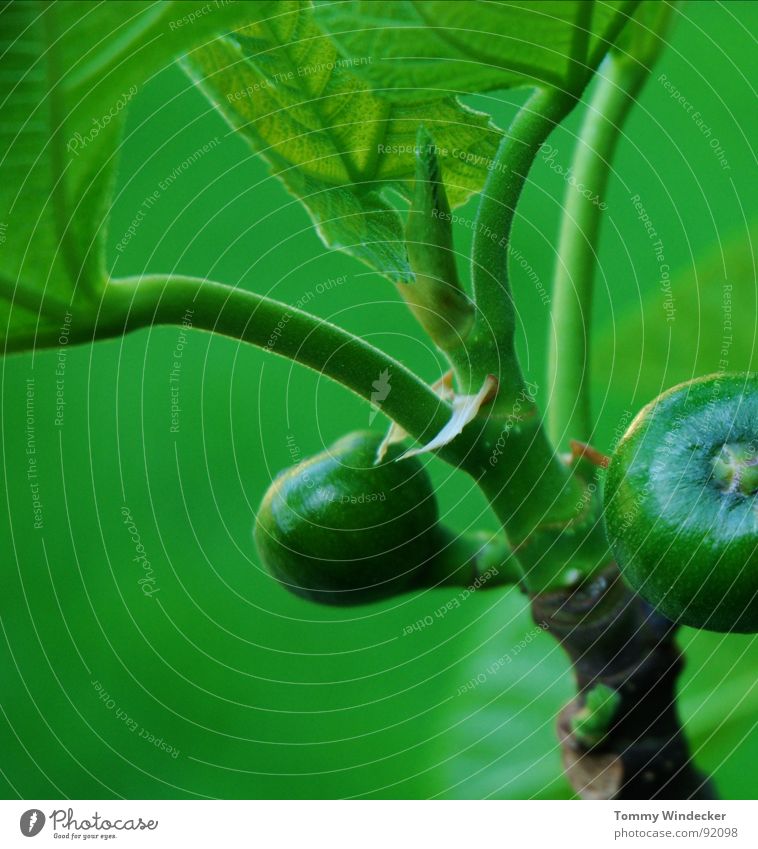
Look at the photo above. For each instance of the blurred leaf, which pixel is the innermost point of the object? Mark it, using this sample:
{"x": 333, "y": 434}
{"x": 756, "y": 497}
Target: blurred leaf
{"x": 426, "y": 48}
{"x": 704, "y": 324}
{"x": 718, "y": 704}
{"x": 335, "y": 145}
{"x": 67, "y": 73}
{"x": 499, "y": 738}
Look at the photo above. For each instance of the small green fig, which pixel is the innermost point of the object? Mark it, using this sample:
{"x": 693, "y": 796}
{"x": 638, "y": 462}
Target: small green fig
{"x": 681, "y": 503}
{"x": 340, "y": 530}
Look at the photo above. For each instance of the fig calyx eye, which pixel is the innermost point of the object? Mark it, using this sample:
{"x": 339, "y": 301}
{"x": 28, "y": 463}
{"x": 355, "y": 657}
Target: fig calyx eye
{"x": 735, "y": 469}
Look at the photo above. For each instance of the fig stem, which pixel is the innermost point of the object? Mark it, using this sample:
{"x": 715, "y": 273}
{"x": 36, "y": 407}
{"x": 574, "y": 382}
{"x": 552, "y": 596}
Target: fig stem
{"x": 136, "y": 303}
{"x": 490, "y": 345}
{"x": 618, "y": 83}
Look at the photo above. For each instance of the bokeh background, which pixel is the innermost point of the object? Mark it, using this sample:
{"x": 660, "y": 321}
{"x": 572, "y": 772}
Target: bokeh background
{"x": 220, "y": 684}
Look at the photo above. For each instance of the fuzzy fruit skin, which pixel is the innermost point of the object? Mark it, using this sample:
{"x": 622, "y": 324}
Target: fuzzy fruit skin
{"x": 686, "y": 541}
{"x": 338, "y": 530}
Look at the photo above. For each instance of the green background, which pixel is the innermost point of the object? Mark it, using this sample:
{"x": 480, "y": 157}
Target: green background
{"x": 263, "y": 694}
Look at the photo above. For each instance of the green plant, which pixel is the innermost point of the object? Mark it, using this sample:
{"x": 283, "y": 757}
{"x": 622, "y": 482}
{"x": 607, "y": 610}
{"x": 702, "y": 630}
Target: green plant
{"x": 356, "y": 143}
{"x": 591, "y": 723}
{"x": 682, "y": 503}
{"x": 339, "y": 529}
{"x": 346, "y": 528}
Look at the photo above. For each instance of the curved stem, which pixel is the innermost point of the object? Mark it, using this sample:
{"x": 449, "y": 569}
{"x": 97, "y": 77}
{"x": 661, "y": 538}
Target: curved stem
{"x": 473, "y": 560}
{"x": 538, "y": 502}
{"x": 491, "y": 343}
{"x": 568, "y": 414}
{"x": 139, "y": 302}
{"x": 295, "y": 334}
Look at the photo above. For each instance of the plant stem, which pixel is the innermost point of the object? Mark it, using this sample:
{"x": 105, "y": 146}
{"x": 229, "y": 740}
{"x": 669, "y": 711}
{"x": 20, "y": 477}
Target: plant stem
{"x": 297, "y": 335}
{"x": 614, "y": 638}
{"x": 140, "y": 302}
{"x": 471, "y": 560}
{"x": 491, "y": 342}
{"x": 568, "y": 413}
{"x": 546, "y": 512}
{"x": 537, "y": 500}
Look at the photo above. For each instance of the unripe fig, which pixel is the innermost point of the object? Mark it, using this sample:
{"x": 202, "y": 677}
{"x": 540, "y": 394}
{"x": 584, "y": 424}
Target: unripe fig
{"x": 681, "y": 503}
{"x": 340, "y": 530}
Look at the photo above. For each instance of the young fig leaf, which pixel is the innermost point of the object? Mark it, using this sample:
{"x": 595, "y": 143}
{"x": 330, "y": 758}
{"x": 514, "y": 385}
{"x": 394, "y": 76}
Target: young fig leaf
{"x": 436, "y": 296}
{"x": 591, "y": 723}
